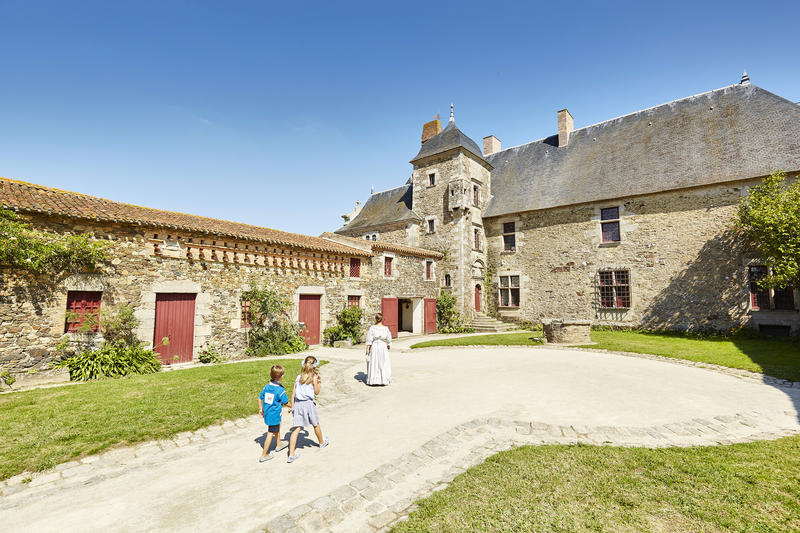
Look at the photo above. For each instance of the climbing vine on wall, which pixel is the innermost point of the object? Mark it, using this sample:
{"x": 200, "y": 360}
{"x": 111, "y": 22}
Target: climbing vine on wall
{"x": 40, "y": 252}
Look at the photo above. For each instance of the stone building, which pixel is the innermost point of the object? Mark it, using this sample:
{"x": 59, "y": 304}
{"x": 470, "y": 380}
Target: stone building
{"x": 626, "y": 222}
{"x": 185, "y": 275}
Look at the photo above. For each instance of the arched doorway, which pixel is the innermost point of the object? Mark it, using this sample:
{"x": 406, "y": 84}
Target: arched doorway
{"x": 477, "y": 297}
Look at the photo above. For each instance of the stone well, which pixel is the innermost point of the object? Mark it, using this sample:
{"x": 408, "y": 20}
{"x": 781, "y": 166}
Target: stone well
{"x": 567, "y": 331}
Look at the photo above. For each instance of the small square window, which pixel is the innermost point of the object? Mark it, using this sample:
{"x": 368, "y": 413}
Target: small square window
{"x": 613, "y": 289}
{"x": 431, "y": 225}
{"x": 353, "y": 300}
{"x": 509, "y": 237}
{"x": 83, "y": 307}
{"x": 431, "y": 179}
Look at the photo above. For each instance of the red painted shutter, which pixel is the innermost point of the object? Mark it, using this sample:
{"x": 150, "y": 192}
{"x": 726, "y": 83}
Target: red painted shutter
{"x": 83, "y": 305}
{"x": 308, "y": 313}
{"x": 389, "y": 311}
{"x": 355, "y": 267}
{"x": 175, "y": 321}
{"x": 430, "y": 315}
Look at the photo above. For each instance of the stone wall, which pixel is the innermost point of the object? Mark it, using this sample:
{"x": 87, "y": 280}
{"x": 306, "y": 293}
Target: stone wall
{"x": 146, "y": 262}
{"x": 686, "y": 261}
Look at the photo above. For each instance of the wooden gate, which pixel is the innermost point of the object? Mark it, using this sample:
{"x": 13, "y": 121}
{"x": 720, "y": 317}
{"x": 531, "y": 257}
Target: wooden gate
{"x": 430, "y": 315}
{"x": 477, "y": 297}
{"x": 389, "y": 310}
{"x": 175, "y": 321}
{"x": 308, "y": 314}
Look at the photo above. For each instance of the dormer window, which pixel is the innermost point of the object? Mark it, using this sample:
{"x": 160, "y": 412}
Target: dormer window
{"x": 431, "y": 179}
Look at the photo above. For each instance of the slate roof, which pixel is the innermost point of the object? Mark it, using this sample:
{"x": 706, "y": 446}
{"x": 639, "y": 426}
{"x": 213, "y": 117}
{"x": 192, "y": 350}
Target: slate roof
{"x": 381, "y": 208}
{"x": 376, "y": 246}
{"x": 450, "y": 138}
{"x": 34, "y": 198}
{"x": 732, "y": 133}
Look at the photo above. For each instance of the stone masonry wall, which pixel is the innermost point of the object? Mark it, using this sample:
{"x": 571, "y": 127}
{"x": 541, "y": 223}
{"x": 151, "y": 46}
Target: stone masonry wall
{"x": 688, "y": 265}
{"x": 145, "y": 262}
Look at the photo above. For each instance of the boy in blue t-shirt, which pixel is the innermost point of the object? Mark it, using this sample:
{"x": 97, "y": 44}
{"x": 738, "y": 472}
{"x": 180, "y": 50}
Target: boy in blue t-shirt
{"x": 272, "y": 398}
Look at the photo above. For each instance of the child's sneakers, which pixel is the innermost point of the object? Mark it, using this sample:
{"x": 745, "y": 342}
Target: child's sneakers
{"x": 325, "y": 442}
{"x": 293, "y": 458}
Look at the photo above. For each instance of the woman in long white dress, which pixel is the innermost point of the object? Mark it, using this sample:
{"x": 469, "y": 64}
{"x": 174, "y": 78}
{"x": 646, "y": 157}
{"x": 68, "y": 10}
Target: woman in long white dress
{"x": 379, "y": 342}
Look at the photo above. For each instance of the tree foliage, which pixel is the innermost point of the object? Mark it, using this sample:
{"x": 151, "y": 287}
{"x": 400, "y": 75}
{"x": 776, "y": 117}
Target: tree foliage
{"x": 272, "y": 331}
{"x": 770, "y": 217}
{"x": 40, "y": 252}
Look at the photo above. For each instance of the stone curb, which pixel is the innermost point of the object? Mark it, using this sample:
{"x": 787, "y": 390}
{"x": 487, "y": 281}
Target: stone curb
{"x": 385, "y": 496}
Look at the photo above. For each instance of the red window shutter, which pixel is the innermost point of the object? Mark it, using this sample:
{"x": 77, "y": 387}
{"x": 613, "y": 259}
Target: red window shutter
{"x": 355, "y": 267}
{"x": 247, "y": 321}
{"x": 83, "y": 305}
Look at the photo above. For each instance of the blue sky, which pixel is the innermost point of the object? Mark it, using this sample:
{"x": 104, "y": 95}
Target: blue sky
{"x": 283, "y": 116}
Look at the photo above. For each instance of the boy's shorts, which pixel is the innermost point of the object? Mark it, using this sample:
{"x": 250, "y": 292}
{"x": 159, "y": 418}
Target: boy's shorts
{"x": 274, "y": 429}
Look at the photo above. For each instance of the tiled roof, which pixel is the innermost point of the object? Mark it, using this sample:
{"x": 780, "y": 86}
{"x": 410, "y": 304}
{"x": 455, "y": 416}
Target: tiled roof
{"x": 30, "y": 197}
{"x": 733, "y": 133}
{"x": 376, "y": 246}
{"x": 385, "y": 207}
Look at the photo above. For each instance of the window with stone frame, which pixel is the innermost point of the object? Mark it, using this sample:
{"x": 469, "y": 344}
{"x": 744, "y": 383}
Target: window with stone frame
{"x": 355, "y": 267}
{"x": 614, "y": 289}
{"x": 354, "y": 300}
{"x": 781, "y": 299}
{"x": 247, "y": 317}
{"x": 430, "y": 225}
{"x": 476, "y": 196}
{"x": 509, "y": 237}
{"x": 448, "y": 282}
{"x": 83, "y": 307}
{"x": 476, "y": 239}
{"x": 431, "y": 179}
{"x": 428, "y": 270}
{"x": 387, "y": 267}
{"x": 509, "y": 291}
{"x": 609, "y": 224}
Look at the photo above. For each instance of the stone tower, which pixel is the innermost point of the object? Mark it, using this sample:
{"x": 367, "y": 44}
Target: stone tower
{"x": 451, "y": 187}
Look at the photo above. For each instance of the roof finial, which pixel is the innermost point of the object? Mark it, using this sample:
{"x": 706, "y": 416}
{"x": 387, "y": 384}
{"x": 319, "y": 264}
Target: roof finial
{"x": 372, "y": 190}
{"x": 452, "y": 118}
{"x": 745, "y": 78}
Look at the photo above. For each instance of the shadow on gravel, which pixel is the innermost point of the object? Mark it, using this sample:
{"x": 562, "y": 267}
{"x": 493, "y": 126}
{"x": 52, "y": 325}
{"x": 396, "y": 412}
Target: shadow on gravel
{"x": 303, "y": 440}
{"x": 361, "y": 376}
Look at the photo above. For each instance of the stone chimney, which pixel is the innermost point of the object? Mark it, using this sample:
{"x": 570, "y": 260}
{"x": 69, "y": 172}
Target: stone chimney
{"x": 431, "y": 129}
{"x": 491, "y": 144}
{"x": 565, "y": 126}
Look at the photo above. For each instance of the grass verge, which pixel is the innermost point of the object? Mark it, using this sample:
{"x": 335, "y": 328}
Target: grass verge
{"x": 742, "y": 487}
{"x": 44, "y": 427}
{"x": 525, "y": 338}
{"x": 775, "y": 357}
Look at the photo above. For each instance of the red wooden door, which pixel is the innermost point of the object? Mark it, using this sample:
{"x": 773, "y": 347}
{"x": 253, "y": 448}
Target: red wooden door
{"x": 430, "y": 315}
{"x": 389, "y": 311}
{"x": 308, "y": 314}
{"x": 477, "y": 297}
{"x": 174, "y": 320}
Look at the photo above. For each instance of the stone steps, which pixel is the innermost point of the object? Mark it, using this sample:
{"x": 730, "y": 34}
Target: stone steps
{"x": 482, "y": 323}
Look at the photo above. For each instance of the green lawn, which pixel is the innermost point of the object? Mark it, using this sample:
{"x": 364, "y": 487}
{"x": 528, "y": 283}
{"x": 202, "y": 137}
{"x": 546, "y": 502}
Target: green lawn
{"x": 525, "y": 338}
{"x": 779, "y": 358}
{"x": 43, "y": 427}
{"x": 743, "y": 487}
{"x": 776, "y": 357}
